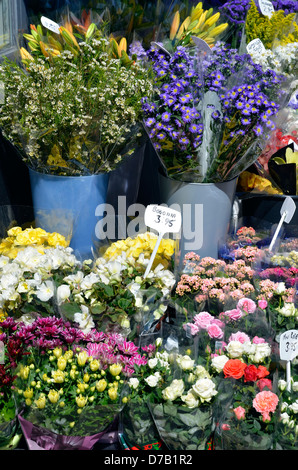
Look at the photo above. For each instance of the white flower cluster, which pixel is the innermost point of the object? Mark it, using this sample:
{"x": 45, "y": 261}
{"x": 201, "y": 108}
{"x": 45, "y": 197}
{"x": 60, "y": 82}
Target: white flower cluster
{"x": 29, "y": 274}
{"x": 282, "y": 59}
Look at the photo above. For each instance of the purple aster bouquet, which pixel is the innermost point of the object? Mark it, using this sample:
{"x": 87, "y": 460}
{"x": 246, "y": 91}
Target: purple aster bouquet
{"x": 212, "y": 114}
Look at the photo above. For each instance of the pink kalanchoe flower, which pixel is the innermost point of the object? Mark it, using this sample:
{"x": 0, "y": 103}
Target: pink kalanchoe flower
{"x": 239, "y": 412}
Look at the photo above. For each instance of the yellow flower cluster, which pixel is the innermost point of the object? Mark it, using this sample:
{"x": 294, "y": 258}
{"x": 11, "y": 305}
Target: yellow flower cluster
{"x": 19, "y": 239}
{"x": 143, "y": 244}
{"x": 73, "y": 376}
{"x": 279, "y": 29}
{"x": 251, "y": 182}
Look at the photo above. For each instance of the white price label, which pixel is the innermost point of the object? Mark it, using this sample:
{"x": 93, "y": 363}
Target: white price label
{"x": 266, "y": 7}
{"x": 49, "y": 24}
{"x": 162, "y": 219}
{"x": 289, "y": 345}
{"x": 2, "y": 353}
{"x": 255, "y": 46}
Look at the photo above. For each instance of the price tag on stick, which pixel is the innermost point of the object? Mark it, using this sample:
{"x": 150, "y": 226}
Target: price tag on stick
{"x": 163, "y": 220}
{"x": 287, "y": 211}
{"x": 49, "y": 24}
{"x": 288, "y": 351}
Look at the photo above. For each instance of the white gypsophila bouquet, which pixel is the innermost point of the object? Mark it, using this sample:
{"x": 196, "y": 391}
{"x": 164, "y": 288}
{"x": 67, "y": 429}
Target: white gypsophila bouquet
{"x": 76, "y": 114}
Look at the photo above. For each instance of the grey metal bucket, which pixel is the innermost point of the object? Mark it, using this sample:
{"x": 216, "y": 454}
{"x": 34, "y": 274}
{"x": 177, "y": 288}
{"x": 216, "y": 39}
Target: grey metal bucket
{"x": 206, "y": 210}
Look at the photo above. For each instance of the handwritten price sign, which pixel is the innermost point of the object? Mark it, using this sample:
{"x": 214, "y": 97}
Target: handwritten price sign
{"x": 289, "y": 345}
{"x": 266, "y": 7}
{"x": 163, "y": 220}
{"x": 288, "y": 351}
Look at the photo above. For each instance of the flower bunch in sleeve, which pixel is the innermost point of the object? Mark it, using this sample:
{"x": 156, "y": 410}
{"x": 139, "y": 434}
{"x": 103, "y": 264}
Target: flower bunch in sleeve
{"x": 209, "y": 115}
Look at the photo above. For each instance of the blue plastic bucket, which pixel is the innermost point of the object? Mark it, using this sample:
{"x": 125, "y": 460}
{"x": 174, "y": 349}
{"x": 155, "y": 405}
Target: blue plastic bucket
{"x": 67, "y": 205}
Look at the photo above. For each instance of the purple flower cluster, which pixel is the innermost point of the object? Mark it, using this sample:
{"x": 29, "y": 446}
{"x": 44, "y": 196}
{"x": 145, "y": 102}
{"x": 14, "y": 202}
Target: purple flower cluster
{"x": 236, "y": 10}
{"x": 175, "y": 119}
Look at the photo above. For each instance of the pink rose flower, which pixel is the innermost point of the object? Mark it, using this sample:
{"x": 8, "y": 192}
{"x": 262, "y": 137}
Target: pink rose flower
{"x": 239, "y": 412}
{"x": 262, "y": 303}
{"x": 239, "y": 336}
{"x": 203, "y": 319}
{"x": 247, "y": 305}
{"x": 265, "y": 402}
{"x": 192, "y": 328}
{"x": 214, "y": 331}
{"x": 257, "y": 340}
{"x": 234, "y": 314}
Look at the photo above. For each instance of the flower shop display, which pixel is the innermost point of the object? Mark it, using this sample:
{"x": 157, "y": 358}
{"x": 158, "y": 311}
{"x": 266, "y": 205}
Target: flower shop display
{"x": 89, "y": 120}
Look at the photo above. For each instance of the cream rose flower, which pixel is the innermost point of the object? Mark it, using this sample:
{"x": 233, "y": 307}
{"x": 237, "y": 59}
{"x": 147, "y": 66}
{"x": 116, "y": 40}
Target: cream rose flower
{"x": 204, "y": 389}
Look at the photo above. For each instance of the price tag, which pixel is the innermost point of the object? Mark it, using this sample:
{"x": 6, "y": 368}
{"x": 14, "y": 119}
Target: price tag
{"x": 266, "y": 7}
{"x": 255, "y": 47}
{"x": 2, "y": 353}
{"x": 163, "y": 49}
{"x": 49, "y": 24}
{"x": 295, "y": 145}
{"x": 287, "y": 211}
{"x": 288, "y": 351}
{"x": 163, "y": 220}
{"x": 289, "y": 345}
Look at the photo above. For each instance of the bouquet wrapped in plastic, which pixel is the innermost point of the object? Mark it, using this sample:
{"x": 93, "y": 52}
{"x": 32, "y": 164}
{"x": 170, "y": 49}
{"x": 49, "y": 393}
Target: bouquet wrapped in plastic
{"x": 247, "y": 407}
{"x": 69, "y": 389}
{"x": 206, "y": 119}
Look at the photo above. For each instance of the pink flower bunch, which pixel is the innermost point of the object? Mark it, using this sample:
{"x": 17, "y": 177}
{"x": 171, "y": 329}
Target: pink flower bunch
{"x": 247, "y": 253}
{"x": 281, "y": 274}
{"x": 205, "y": 321}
